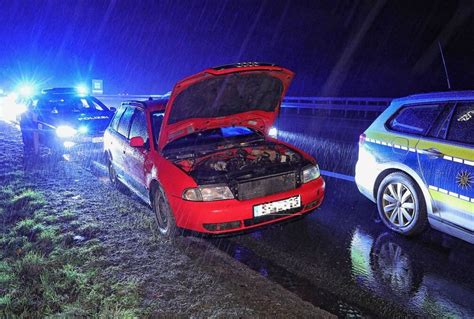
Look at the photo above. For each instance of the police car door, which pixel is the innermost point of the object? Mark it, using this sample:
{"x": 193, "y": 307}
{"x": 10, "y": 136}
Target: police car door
{"x": 446, "y": 158}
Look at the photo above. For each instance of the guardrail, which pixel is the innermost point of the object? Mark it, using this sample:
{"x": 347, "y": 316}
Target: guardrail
{"x": 300, "y": 104}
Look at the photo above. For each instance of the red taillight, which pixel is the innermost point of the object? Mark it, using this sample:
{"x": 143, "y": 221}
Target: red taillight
{"x": 362, "y": 138}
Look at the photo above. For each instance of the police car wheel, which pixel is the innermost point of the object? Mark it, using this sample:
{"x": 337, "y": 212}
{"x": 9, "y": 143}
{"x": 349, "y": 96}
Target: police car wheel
{"x": 164, "y": 215}
{"x": 401, "y": 205}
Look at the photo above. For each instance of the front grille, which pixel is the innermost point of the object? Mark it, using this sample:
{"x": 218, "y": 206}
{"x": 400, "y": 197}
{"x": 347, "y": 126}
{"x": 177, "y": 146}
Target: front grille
{"x": 266, "y": 186}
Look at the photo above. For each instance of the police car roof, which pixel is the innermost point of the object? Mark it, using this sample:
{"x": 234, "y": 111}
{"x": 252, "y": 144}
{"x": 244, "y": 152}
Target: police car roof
{"x": 64, "y": 90}
{"x": 437, "y": 96}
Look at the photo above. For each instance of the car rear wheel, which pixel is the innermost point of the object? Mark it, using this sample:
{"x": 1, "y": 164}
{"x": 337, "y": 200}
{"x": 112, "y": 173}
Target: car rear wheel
{"x": 113, "y": 175}
{"x": 401, "y": 205}
{"x": 164, "y": 215}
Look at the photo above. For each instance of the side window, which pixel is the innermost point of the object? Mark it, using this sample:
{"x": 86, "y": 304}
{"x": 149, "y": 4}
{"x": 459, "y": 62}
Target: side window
{"x": 415, "y": 119}
{"x": 138, "y": 127}
{"x": 441, "y": 125}
{"x": 462, "y": 124}
{"x": 157, "y": 120}
{"x": 116, "y": 119}
{"x": 124, "y": 124}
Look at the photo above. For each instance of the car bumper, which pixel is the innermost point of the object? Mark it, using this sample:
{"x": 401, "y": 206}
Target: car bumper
{"x": 228, "y": 216}
{"x": 365, "y": 177}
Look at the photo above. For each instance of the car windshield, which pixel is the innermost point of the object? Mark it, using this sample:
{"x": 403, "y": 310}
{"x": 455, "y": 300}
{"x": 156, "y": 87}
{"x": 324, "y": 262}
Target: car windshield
{"x": 215, "y": 137}
{"x": 69, "y": 104}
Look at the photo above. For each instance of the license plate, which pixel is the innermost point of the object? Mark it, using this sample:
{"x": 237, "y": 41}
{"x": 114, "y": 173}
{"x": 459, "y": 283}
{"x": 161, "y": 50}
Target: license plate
{"x": 276, "y": 207}
{"x": 97, "y": 139}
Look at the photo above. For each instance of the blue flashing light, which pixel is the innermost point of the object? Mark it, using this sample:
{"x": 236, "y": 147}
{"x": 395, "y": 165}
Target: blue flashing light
{"x": 26, "y": 90}
{"x": 82, "y": 89}
{"x": 83, "y": 129}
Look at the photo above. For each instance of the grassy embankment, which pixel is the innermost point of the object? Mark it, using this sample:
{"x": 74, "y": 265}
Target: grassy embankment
{"x": 50, "y": 263}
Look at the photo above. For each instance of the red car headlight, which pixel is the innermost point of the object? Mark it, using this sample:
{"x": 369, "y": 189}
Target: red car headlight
{"x": 208, "y": 193}
{"x": 311, "y": 173}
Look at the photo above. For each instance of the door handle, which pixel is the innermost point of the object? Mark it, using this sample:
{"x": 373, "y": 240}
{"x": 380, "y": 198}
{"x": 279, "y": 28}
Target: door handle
{"x": 432, "y": 152}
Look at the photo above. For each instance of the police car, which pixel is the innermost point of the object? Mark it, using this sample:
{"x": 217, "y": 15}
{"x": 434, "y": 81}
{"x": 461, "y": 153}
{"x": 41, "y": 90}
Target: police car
{"x": 416, "y": 161}
{"x": 63, "y": 119}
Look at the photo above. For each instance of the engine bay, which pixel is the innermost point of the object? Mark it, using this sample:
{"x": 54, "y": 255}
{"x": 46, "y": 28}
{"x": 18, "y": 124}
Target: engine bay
{"x": 242, "y": 163}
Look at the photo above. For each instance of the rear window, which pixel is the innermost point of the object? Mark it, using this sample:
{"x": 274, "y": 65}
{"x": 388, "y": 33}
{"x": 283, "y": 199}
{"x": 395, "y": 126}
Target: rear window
{"x": 415, "y": 119}
{"x": 462, "y": 124}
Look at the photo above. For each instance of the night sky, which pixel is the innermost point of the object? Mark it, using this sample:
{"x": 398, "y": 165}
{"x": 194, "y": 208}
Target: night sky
{"x": 336, "y": 48}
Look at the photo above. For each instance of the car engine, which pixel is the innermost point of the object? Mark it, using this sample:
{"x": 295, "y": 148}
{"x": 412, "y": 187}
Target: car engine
{"x": 242, "y": 163}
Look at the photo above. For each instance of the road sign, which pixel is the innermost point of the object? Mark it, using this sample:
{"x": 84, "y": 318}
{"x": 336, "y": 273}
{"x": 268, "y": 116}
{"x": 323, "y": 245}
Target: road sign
{"x": 97, "y": 87}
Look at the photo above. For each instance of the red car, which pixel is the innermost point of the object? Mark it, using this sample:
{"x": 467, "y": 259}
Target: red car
{"x": 202, "y": 157}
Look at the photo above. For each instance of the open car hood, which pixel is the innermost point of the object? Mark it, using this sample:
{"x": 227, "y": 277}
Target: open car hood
{"x": 247, "y": 95}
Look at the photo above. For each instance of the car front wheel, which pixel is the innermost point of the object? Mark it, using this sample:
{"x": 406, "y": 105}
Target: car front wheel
{"x": 401, "y": 205}
{"x": 164, "y": 215}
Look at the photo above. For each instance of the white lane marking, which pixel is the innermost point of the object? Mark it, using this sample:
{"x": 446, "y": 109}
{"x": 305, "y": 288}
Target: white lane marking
{"x": 338, "y": 176}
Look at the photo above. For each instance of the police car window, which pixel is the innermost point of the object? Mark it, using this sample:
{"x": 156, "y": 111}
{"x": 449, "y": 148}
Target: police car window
{"x": 462, "y": 124}
{"x": 68, "y": 104}
{"x": 124, "y": 123}
{"x": 138, "y": 127}
{"x": 116, "y": 119}
{"x": 440, "y": 127}
{"x": 416, "y": 119}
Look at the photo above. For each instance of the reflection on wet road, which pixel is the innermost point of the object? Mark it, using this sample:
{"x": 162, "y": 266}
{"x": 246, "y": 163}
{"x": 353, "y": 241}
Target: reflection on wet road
{"x": 342, "y": 259}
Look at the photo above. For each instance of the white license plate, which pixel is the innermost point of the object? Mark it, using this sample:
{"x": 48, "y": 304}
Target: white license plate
{"x": 97, "y": 139}
{"x": 276, "y": 207}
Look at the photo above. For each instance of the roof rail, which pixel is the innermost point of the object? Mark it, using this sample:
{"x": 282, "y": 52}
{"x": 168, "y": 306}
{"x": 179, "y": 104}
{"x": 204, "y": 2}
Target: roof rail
{"x": 241, "y": 65}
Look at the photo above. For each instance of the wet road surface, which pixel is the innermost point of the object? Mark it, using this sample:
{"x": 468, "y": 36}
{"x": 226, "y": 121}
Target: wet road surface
{"x": 343, "y": 259}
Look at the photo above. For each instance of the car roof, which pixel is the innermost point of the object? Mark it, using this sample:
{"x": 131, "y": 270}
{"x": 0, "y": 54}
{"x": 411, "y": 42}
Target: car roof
{"x": 436, "y": 96}
{"x": 155, "y": 104}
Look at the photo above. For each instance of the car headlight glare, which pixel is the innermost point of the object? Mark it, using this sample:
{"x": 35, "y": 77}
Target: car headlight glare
{"x": 208, "y": 193}
{"x": 311, "y": 173}
{"x": 65, "y": 131}
{"x": 273, "y": 132}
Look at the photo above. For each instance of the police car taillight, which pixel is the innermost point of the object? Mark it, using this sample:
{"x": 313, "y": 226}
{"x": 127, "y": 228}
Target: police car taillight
{"x": 362, "y": 138}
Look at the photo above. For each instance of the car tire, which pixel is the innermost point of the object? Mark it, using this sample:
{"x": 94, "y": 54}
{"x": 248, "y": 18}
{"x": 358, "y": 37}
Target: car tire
{"x": 163, "y": 214}
{"x": 113, "y": 176}
{"x": 401, "y": 205}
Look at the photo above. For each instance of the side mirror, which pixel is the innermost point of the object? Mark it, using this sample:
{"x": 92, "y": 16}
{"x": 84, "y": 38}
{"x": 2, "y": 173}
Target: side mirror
{"x": 113, "y": 109}
{"x": 137, "y": 141}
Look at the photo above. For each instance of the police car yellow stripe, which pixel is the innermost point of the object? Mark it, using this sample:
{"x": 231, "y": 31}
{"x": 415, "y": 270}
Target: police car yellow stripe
{"x": 457, "y": 202}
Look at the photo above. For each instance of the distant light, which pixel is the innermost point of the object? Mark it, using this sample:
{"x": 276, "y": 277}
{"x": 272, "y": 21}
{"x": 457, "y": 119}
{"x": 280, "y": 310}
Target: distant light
{"x": 273, "y": 132}
{"x": 11, "y": 108}
{"x": 82, "y": 89}
{"x": 83, "y": 129}
{"x": 26, "y": 90}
